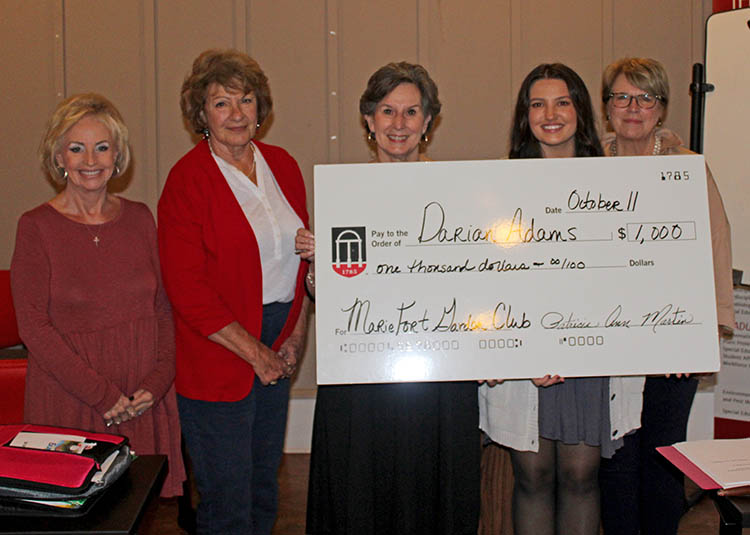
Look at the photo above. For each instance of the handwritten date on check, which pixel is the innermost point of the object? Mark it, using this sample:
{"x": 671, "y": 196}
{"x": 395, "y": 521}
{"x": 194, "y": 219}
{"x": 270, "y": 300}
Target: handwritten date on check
{"x": 436, "y": 271}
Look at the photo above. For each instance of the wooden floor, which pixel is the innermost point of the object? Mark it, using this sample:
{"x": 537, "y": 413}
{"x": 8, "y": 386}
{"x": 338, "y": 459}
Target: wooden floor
{"x": 161, "y": 518}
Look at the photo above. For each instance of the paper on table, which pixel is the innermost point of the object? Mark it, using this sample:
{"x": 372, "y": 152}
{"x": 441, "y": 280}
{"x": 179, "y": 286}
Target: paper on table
{"x": 51, "y": 441}
{"x": 726, "y": 461}
{"x": 60, "y": 504}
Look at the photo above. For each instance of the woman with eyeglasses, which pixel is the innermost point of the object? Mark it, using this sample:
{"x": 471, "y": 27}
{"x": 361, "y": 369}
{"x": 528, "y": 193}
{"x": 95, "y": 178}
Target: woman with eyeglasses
{"x": 640, "y": 491}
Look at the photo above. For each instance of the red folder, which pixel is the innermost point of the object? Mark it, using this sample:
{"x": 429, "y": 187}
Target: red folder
{"x": 686, "y": 466}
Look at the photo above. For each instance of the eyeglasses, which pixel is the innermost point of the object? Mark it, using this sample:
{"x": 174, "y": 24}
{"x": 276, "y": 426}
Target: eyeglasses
{"x": 644, "y": 100}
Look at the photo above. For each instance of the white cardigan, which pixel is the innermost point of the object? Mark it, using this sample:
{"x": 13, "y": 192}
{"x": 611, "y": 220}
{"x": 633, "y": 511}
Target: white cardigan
{"x": 509, "y": 412}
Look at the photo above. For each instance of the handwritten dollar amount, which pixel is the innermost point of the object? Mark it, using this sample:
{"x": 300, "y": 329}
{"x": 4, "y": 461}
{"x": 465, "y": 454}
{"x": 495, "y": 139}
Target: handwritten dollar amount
{"x": 662, "y": 231}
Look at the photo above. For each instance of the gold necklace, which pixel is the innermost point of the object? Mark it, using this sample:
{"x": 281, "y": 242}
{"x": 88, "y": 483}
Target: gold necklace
{"x": 252, "y": 168}
{"x": 250, "y": 173}
{"x": 94, "y": 235}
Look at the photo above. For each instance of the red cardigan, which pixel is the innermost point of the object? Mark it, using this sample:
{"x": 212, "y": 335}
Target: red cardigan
{"x": 211, "y": 268}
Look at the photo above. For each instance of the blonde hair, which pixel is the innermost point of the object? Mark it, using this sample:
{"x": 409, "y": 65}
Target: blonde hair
{"x": 67, "y": 114}
{"x": 644, "y": 73}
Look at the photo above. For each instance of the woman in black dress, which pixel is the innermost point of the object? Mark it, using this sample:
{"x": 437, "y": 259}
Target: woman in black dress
{"x": 394, "y": 458}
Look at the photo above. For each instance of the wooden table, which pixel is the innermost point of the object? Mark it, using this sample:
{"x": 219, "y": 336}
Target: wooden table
{"x": 735, "y": 514}
{"x": 117, "y": 512}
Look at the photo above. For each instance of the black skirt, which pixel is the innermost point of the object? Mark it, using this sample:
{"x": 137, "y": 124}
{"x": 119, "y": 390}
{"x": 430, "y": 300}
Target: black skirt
{"x": 396, "y": 458}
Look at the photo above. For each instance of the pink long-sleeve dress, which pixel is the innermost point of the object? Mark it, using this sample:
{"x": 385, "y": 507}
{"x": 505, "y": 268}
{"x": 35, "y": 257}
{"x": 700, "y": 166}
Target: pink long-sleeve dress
{"x": 97, "y": 323}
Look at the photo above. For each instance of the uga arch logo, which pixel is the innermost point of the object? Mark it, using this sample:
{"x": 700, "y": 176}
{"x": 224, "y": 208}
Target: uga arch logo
{"x": 349, "y": 254}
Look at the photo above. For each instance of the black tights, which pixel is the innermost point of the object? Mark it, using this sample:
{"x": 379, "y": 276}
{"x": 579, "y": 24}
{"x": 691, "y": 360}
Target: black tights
{"x": 556, "y": 490}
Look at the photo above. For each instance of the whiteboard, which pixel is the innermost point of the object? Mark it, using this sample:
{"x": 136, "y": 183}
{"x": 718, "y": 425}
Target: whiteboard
{"x": 726, "y": 140}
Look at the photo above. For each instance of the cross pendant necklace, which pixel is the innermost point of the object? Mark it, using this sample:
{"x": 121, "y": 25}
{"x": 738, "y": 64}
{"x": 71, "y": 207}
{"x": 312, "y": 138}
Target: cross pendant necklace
{"x": 94, "y": 235}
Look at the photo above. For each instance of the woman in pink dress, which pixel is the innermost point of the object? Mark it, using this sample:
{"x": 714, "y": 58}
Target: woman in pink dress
{"x": 87, "y": 290}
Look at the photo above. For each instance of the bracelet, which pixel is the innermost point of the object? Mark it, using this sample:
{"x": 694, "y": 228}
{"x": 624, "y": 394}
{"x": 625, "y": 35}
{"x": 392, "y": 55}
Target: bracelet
{"x": 310, "y": 278}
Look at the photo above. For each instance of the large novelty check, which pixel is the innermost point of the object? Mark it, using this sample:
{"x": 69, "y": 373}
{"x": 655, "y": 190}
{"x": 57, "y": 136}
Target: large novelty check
{"x": 517, "y": 268}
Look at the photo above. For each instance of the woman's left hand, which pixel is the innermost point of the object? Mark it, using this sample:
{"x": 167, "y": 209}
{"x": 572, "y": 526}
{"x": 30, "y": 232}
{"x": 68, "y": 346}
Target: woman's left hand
{"x": 548, "y": 380}
{"x": 291, "y": 349}
{"x": 142, "y": 400}
{"x": 491, "y": 382}
{"x": 304, "y": 244}
{"x": 737, "y": 491}
{"x": 122, "y": 411}
{"x": 289, "y": 352}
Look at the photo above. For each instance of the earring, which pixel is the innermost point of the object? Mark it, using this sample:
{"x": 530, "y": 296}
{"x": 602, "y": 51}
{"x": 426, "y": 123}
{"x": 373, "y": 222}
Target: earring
{"x": 206, "y": 133}
{"x": 257, "y": 125}
{"x": 371, "y": 136}
{"x": 64, "y": 173}
{"x": 608, "y": 117}
{"x": 117, "y": 170}
{"x": 659, "y": 123}
{"x": 425, "y": 139}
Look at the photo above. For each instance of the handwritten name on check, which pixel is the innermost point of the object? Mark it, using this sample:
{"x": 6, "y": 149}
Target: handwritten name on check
{"x": 436, "y": 271}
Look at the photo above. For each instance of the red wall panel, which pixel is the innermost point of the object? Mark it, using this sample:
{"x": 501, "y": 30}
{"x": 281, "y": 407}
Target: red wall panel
{"x": 726, "y": 5}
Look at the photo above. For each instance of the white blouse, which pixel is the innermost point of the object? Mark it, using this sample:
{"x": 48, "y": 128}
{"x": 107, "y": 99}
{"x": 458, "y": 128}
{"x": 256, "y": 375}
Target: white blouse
{"x": 274, "y": 223}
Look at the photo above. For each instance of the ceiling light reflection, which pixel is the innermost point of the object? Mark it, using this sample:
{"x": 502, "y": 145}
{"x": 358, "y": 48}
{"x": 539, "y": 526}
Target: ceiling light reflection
{"x": 482, "y": 321}
{"x": 504, "y": 233}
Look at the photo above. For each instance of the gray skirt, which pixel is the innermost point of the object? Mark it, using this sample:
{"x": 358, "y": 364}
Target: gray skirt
{"x": 578, "y": 411}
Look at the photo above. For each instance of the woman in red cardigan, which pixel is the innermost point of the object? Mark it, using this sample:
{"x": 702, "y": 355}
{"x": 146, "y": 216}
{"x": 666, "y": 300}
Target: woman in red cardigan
{"x": 227, "y": 216}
